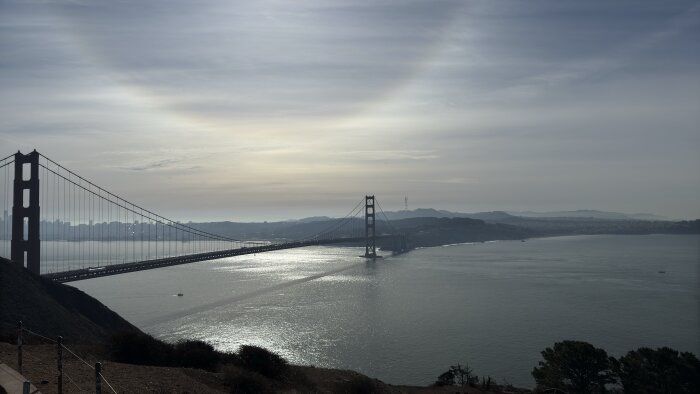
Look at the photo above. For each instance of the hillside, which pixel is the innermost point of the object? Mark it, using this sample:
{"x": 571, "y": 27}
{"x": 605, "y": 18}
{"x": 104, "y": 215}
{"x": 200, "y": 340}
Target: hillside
{"x": 590, "y": 214}
{"x": 53, "y": 309}
{"x": 547, "y": 227}
{"x": 424, "y": 232}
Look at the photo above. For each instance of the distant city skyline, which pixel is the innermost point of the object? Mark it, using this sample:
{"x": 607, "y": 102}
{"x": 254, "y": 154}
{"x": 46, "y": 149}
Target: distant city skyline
{"x": 268, "y": 110}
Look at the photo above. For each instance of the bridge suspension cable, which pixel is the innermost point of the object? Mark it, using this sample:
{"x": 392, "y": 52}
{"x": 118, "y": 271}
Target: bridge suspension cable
{"x": 6, "y": 199}
{"x": 82, "y": 230}
{"x": 84, "y": 226}
{"x": 164, "y": 219}
{"x": 386, "y": 218}
{"x": 332, "y": 230}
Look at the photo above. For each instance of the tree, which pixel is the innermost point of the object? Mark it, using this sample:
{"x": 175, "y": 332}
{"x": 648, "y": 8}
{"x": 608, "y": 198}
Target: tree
{"x": 574, "y": 366}
{"x": 663, "y": 370}
{"x": 262, "y": 361}
{"x": 446, "y": 379}
{"x": 464, "y": 376}
{"x": 460, "y": 375}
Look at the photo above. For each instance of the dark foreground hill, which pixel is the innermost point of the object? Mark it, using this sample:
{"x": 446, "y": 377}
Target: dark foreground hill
{"x": 53, "y": 309}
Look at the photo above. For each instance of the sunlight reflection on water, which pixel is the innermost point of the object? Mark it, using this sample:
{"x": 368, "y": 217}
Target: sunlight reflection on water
{"x": 406, "y": 319}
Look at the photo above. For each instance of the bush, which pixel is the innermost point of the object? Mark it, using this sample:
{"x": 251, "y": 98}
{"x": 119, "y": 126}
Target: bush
{"x": 262, "y": 361}
{"x": 446, "y": 378}
{"x": 196, "y": 354}
{"x": 138, "y": 348}
{"x": 662, "y": 370}
{"x": 574, "y": 366}
{"x": 460, "y": 375}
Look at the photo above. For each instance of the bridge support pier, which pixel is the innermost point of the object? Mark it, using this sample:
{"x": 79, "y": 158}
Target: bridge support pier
{"x": 26, "y": 212}
{"x": 370, "y": 234}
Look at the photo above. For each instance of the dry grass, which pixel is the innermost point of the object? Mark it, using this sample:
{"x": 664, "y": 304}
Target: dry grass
{"x": 39, "y": 365}
{"x": 40, "y": 368}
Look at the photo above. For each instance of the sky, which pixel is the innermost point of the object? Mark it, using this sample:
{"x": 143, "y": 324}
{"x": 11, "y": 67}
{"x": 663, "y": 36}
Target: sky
{"x": 267, "y": 110}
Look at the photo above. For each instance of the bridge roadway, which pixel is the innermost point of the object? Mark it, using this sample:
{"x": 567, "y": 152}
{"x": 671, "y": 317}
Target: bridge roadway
{"x": 114, "y": 269}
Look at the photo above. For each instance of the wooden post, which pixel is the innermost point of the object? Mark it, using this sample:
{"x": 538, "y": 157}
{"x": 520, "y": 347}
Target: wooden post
{"x": 59, "y": 361}
{"x": 19, "y": 347}
{"x": 98, "y": 381}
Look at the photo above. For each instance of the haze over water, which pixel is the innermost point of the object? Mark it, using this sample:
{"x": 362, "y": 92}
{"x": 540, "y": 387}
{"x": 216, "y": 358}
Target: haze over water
{"x": 406, "y": 319}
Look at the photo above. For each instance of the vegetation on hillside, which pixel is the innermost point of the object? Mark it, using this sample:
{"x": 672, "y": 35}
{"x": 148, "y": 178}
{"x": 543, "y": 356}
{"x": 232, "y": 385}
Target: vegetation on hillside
{"x": 52, "y": 308}
{"x": 251, "y": 369}
{"x": 576, "y": 367}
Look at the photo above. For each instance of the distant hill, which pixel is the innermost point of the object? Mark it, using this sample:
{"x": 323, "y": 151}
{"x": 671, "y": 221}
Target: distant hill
{"x": 52, "y": 309}
{"x": 546, "y": 224}
{"x": 429, "y": 231}
{"x": 588, "y": 214}
{"x": 511, "y": 215}
{"x": 434, "y": 213}
{"x": 312, "y": 219}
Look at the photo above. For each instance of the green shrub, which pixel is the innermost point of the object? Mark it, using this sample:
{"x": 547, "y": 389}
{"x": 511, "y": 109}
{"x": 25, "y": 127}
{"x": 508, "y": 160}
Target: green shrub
{"x": 262, "y": 361}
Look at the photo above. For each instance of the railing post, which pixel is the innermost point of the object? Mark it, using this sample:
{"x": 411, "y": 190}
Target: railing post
{"x": 19, "y": 347}
{"x": 59, "y": 361}
{"x": 98, "y": 381}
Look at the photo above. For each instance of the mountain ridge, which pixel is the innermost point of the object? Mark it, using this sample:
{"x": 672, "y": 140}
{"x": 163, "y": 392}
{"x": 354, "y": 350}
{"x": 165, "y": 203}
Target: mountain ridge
{"x": 512, "y": 215}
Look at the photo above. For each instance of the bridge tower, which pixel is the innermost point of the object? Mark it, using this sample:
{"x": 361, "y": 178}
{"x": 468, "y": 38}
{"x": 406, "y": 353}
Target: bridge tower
{"x": 26, "y": 212}
{"x": 370, "y": 235}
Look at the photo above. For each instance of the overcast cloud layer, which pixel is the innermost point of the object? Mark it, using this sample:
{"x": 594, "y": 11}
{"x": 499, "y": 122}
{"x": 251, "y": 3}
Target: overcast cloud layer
{"x": 247, "y": 110}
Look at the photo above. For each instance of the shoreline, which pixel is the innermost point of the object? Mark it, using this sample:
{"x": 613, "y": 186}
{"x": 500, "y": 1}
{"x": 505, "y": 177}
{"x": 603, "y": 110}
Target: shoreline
{"x": 550, "y": 237}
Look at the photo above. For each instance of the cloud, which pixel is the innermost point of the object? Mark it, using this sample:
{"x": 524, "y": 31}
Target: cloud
{"x": 255, "y": 101}
{"x": 385, "y": 155}
{"x": 153, "y": 165}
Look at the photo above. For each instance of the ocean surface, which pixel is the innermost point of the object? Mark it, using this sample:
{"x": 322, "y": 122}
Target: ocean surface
{"x": 406, "y": 319}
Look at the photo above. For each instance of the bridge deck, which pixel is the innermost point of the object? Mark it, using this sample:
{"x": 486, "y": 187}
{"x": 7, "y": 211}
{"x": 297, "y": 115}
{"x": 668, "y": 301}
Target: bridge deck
{"x": 87, "y": 273}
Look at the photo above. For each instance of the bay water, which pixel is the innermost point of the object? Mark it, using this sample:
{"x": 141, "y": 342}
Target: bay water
{"x": 406, "y": 319}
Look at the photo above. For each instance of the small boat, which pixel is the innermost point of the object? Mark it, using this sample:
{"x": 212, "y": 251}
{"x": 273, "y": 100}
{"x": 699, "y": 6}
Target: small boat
{"x": 662, "y": 272}
{"x": 180, "y": 294}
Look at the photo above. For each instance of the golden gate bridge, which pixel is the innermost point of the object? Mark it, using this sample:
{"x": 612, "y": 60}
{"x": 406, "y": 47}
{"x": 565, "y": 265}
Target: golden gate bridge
{"x": 65, "y": 228}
